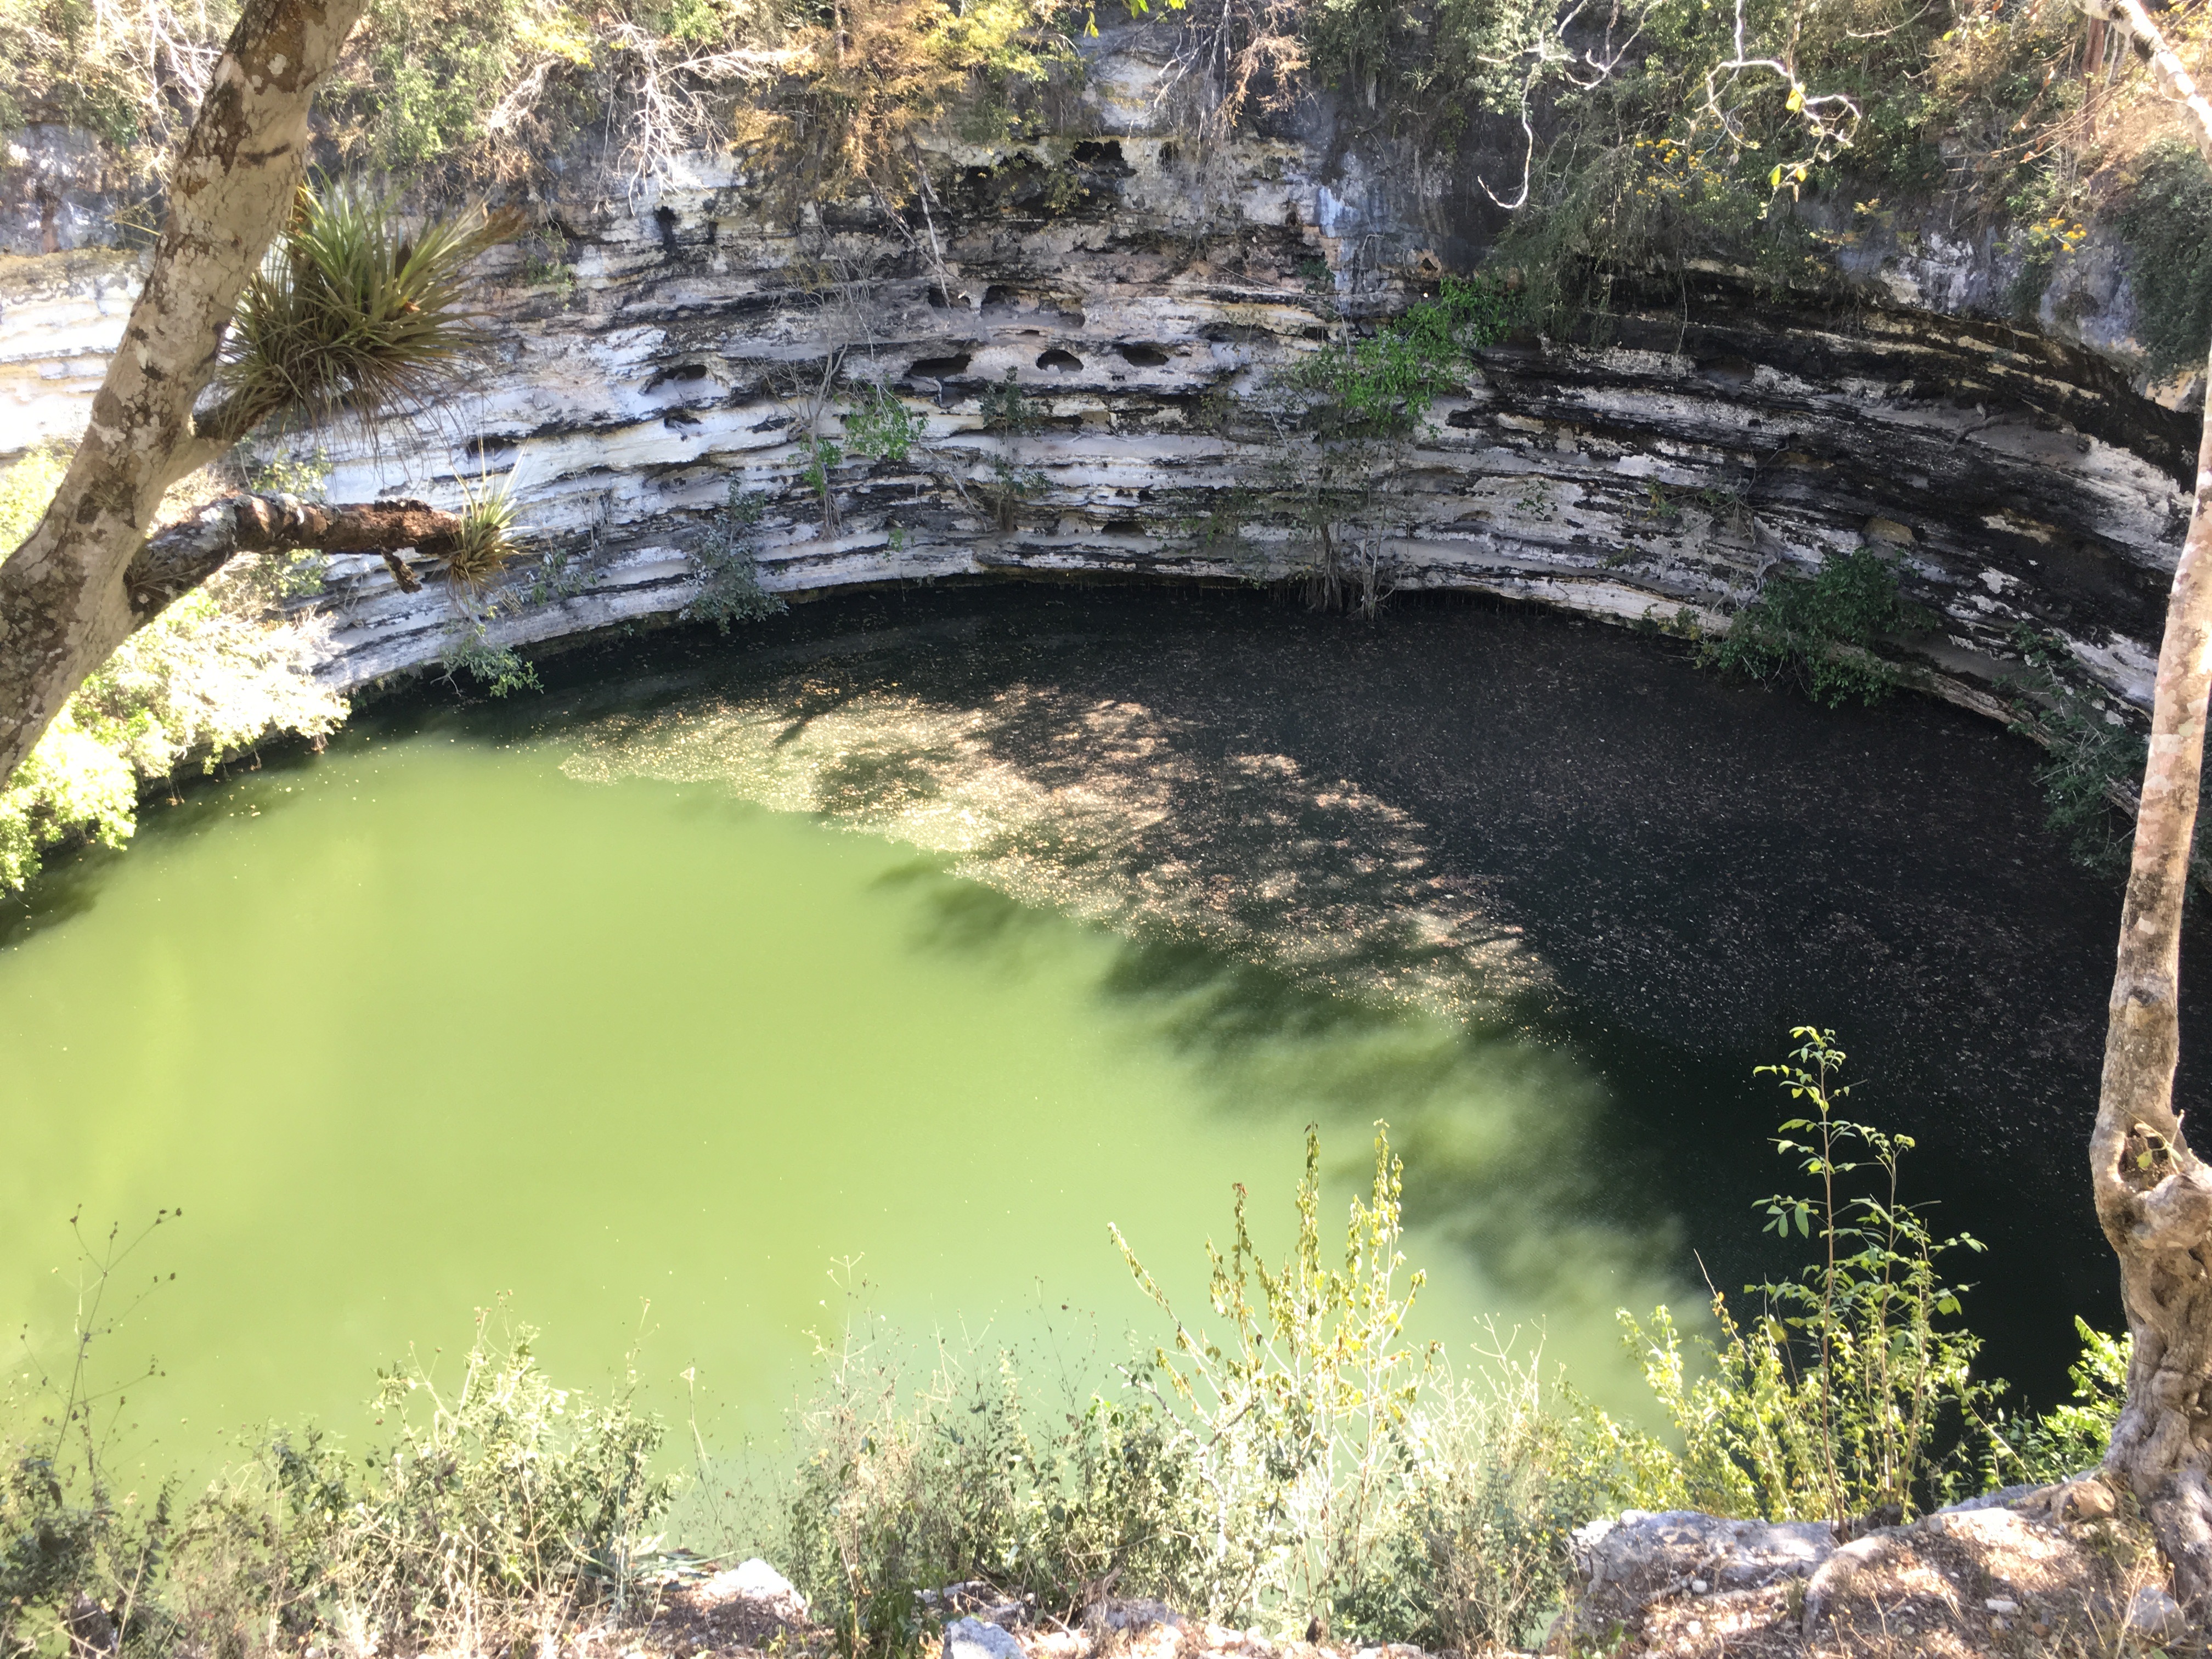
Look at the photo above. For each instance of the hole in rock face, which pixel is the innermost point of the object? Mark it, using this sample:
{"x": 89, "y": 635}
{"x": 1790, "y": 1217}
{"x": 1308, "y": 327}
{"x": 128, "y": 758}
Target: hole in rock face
{"x": 939, "y": 368}
{"x": 664, "y": 221}
{"x": 1143, "y": 357}
{"x": 1102, "y": 155}
{"x": 999, "y": 297}
{"x": 1056, "y": 358}
{"x": 939, "y": 298}
{"x": 681, "y": 373}
{"x": 1728, "y": 371}
{"x": 1465, "y": 419}
{"x": 1125, "y": 527}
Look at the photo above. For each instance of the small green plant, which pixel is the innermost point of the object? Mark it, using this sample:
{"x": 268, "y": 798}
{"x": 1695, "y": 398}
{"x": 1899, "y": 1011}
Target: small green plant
{"x": 1012, "y": 483}
{"x": 280, "y": 471}
{"x": 1819, "y": 632}
{"x": 880, "y": 426}
{"x": 728, "y": 563}
{"x": 2073, "y": 1436}
{"x": 81, "y": 1564}
{"x": 1383, "y": 385}
{"x": 1007, "y": 408}
{"x": 1296, "y": 1408}
{"x": 489, "y": 537}
{"x": 500, "y": 669}
{"x": 559, "y": 574}
{"x": 2091, "y": 747}
{"x": 545, "y": 262}
{"x": 502, "y": 1506}
{"x": 350, "y": 314}
{"x": 1845, "y": 1395}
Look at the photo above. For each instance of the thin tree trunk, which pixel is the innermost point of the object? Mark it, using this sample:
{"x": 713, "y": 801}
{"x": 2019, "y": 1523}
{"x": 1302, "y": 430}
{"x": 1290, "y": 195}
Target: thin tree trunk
{"x": 63, "y": 607}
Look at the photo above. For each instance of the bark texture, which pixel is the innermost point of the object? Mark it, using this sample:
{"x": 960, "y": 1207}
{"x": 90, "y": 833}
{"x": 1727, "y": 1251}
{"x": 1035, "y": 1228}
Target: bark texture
{"x": 2154, "y": 1194}
{"x": 185, "y": 555}
{"x": 64, "y": 606}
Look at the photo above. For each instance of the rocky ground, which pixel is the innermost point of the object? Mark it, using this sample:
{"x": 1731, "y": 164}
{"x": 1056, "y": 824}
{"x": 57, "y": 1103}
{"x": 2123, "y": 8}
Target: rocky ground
{"x": 2000, "y": 1576}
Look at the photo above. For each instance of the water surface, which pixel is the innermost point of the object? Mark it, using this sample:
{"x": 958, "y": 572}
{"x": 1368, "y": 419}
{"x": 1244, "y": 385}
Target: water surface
{"x": 930, "y": 933}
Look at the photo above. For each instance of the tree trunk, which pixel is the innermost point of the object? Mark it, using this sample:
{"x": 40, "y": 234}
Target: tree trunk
{"x": 185, "y": 555}
{"x": 63, "y": 607}
{"x": 2154, "y": 1196}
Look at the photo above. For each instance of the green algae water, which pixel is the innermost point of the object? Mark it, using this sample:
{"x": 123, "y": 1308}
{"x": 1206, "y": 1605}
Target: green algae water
{"x": 872, "y": 962}
{"x": 443, "y": 1020}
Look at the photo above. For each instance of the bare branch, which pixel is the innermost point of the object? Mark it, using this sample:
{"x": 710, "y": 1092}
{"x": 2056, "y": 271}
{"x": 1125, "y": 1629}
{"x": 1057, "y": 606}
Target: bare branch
{"x": 182, "y": 556}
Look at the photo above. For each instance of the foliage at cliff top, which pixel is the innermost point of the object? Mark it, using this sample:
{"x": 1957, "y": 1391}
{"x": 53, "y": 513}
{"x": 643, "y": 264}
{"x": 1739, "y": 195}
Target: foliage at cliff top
{"x": 1641, "y": 147}
{"x": 835, "y": 88}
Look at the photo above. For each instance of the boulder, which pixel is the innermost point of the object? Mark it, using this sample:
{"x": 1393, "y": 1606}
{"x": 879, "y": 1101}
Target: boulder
{"x": 1998, "y": 1577}
{"x": 971, "y": 1639}
{"x": 1642, "y": 1553}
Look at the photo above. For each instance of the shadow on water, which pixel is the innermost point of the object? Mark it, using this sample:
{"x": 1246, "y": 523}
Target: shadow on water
{"x": 1516, "y": 1158}
{"x": 1482, "y": 854}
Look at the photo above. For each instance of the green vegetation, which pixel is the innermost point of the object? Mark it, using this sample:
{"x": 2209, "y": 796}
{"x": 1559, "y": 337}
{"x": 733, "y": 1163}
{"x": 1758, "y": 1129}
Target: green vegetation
{"x": 2166, "y": 217}
{"x": 1382, "y": 385}
{"x": 1841, "y": 1396}
{"x": 498, "y": 1509}
{"x": 2091, "y": 748}
{"x": 351, "y": 315}
{"x": 500, "y": 669}
{"x": 212, "y": 677}
{"x": 1819, "y": 632}
{"x": 727, "y": 557}
{"x": 1292, "y": 1459}
{"x": 2071, "y": 1437}
{"x": 1656, "y": 147}
{"x": 1334, "y": 431}
{"x": 1298, "y": 1461}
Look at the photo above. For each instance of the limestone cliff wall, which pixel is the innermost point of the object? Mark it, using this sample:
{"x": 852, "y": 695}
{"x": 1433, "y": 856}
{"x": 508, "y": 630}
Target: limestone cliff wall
{"x": 1144, "y": 293}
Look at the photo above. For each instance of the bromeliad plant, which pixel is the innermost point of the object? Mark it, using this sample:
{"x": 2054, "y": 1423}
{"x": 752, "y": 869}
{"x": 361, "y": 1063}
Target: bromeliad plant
{"x": 352, "y": 316}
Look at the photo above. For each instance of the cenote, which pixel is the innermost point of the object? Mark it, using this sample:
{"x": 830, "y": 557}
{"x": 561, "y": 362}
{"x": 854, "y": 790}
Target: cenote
{"x": 881, "y": 955}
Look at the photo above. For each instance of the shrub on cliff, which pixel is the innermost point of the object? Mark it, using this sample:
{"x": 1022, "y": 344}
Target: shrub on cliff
{"x": 1819, "y": 632}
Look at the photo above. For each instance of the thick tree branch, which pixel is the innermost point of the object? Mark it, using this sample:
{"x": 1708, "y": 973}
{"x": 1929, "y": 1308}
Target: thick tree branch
{"x": 187, "y": 554}
{"x": 63, "y": 603}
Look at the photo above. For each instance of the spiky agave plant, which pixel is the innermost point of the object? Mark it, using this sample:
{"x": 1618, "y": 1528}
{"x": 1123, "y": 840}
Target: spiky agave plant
{"x": 350, "y": 315}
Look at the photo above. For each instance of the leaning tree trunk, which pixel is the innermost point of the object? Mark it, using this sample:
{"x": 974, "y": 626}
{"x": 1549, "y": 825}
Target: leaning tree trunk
{"x": 2154, "y": 1195}
{"x": 64, "y": 606}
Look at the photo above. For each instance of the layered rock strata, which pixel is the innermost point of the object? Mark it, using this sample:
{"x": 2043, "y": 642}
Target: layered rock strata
{"x": 1093, "y": 339}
